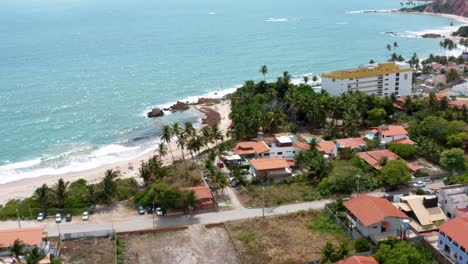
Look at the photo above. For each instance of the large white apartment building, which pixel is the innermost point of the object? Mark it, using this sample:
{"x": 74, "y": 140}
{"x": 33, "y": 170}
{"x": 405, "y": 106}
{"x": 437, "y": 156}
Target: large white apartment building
{"x": 377, "y": 78}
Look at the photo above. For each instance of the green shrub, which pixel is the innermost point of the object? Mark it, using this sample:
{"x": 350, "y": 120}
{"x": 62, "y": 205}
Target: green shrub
{"x": 361, "y": 245}
{"x": 325, "y": 223}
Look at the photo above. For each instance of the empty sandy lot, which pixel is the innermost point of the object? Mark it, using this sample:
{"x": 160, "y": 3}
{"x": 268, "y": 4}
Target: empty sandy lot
{"x": 194, "y": 245}
{"x": 89, "y": 250}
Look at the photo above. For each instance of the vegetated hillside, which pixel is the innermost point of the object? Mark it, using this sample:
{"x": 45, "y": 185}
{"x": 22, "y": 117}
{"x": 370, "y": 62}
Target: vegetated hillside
{"x": 453, "y": 7}
{"x": 462, "y": 32}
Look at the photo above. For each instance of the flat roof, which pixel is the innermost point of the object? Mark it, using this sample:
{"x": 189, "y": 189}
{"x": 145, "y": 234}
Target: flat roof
{"x": 368, "y": 71}
{"x": 284, "y": 139}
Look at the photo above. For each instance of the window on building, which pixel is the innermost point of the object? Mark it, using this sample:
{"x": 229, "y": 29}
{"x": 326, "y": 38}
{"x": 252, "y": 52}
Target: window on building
{"x": 386, "y": 74}
{"x": 266, "y": 154}
{"x": 294, "y": 151}
{"x": 350, "y": 79}
{"x": 397, "y": 83}
{"x": 398, "y": 74}
{"x": 333, "y": 80}
{"x": 397, "y": 79}
{"x": 280, "y": 153}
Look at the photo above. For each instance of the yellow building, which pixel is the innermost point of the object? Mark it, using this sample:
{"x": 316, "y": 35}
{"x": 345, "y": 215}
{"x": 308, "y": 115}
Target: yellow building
{"x": 377, "y": 78}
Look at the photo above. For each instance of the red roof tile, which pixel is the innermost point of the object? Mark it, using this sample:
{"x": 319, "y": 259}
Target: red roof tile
{"x": 370, "y": 210}
{"x": 406, "y": 141}
{"x": 250, "y": 147}
{"x": 269, "y": 164}
{"x": 31, "y": 236}
{"x": 457, "y": 229}
{"x": 201, "y": 192}
{"x": 352, "y": 143}
{"x": 391, "y": 131}
{"x": 374, "y": 157}
{"x": 326, "y": 147}
{"x": 358, "y": 260}
{"x": 397, "y": 106}
{"x": 301, "y": 145}
{"x": 458, "y": 104}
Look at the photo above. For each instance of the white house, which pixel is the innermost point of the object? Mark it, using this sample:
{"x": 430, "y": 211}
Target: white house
{"x": 392, "y": 133}
{"x": 382, "y": 79}
{"x": 453, "y": 240}
{"x": 375, "y": 218}
{"x": 282, "y": 145}
{"x": 453, "y": 197}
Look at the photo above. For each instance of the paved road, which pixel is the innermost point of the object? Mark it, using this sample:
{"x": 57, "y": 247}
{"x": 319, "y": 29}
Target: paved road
{"x": 137, "y": 222}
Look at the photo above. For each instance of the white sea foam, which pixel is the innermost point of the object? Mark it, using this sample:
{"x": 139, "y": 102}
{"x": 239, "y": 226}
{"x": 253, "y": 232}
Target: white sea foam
{"x": 272, "y": 19}
{"x": 19, "y": 165}
{"x": 211, "y": 13}
{"x": 371, "y": 11}
{"x": 342, "y": 23}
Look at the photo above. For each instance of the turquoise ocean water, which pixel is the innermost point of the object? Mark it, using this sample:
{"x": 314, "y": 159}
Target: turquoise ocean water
{"x": 76, "y": 76}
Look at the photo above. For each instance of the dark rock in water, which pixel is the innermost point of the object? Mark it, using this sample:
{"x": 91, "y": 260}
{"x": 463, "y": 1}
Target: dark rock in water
{"x": 156, "y": 112}
{"x": 431, "y": 35}
{"x": 167, "y": 109}
{"x": 179, "y": 106}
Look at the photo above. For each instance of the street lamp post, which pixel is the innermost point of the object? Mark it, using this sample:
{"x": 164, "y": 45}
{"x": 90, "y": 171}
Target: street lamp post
{"x": 263, "y": 199}
{"x": 153, "y": 214}
{"x": 19, "y": 221}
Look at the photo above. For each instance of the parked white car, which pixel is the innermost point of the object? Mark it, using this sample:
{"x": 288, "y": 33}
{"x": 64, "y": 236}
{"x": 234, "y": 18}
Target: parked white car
{"x": 58, "y": 218}
{"x": 419, "y": 184}
{"x": 40, "y": 216}
{"x": 85, "y": 216}
{"x": 159, "y": 211}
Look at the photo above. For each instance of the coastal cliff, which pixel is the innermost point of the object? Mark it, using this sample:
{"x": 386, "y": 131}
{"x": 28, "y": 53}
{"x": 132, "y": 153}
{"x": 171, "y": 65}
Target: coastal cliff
{"x": 452, "y": 7}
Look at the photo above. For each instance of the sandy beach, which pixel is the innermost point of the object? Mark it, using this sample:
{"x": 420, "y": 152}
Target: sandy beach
{"x": 25, "y": 187}
{"x": 445, "y": 32}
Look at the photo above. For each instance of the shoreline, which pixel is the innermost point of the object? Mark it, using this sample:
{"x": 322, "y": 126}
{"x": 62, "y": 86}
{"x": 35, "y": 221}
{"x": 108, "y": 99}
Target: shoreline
{"x": 23, "y": 188}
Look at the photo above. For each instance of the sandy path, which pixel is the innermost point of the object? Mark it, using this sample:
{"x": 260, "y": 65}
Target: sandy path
{"x": 25, "y": 187}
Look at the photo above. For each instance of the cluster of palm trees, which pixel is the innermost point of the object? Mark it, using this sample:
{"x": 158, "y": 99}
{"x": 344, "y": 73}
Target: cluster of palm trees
{"x": 58, "y": 194}
{"x": 187, "y": 138}
{"x": 447, "y": 44}
{"x": 32, "y": 257}
{"x": 464, "y": 43}
{"x": 393, "y": 56}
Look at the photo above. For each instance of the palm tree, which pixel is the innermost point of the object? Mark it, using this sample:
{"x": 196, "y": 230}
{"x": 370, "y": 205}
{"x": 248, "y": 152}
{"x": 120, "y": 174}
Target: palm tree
{"x": 166, "y": 136}
{"x": 42, "y": 196}
{"x": 91, "y": 196}
{"x": 162, "y": 149}
{"x": 176, "y": 130}
{"x": 17, "y": 248}
{"x": 181, "y": 143}
{"x": 306, "y": 79}
{"x": 216, "y": 134}
{"x": 395, "y": 45}
{"x": 314, "y": 79}
{"x": 108, "y": 186}
{"x": 207, "y": 138}
{"x": 60, "y": 192}
{"x": 264, "y": 71}
{"x": 389, "y": 48}
{"x": 189, "y": 129}
{"x": 34, "y": 256}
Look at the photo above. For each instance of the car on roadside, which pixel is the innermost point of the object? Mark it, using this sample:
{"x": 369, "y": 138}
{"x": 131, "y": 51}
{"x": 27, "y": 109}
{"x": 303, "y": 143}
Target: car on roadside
{"x": 149, "y": 210}
{"x": 85, "y": 216}
{"x": 419, "y": 184}
{"x": 141, "y": 210}
{"x": 391, "y": 188}
{"x": 40, "y": 216}
{"x": 159, "y": 211}
{"x": 68, "y": 217}
{"x": 235, "y": 183}
{"x": 58, "y": 218}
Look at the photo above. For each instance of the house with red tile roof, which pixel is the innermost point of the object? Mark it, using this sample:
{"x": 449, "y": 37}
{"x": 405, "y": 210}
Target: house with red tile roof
{"x": 205, "y": 199}
{"x": 392, "y": 133}
{"x": 282, "y": 145}
{"x": 326, "y": 147}
{"x": 374, "y": 217}
{"x": 453, "y": 240}
{"x": 270, "y": 169}
{"x": 30, "y": 236}
{"x": 358, "y": 260}
{"x": 375, "y": 157}
{"x": 331, "y": 148}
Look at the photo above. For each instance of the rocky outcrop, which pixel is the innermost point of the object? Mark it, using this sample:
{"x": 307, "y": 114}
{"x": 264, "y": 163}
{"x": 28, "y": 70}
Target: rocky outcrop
{"x": 179, "y": 106}
{"x": 156, "y": 112}
{"x": 452, "y": 7}
{"x": 431, "y": 35}
{"x": 462, "y": 32}
{"x": 207, "y": 101}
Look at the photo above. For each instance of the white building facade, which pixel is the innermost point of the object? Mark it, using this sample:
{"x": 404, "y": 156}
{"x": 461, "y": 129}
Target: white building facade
{"x": 381, "y": 79}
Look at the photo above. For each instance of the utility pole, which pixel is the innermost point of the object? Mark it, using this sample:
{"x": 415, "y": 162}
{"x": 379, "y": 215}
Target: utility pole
{"x": 115, "y": 242}
{"x": 358, "y": 178}
{"x": 30, "y": 212}
{"x": 153, "y": 214}
{"x": 19, "y": 221}
{"x": 263, "y": 199}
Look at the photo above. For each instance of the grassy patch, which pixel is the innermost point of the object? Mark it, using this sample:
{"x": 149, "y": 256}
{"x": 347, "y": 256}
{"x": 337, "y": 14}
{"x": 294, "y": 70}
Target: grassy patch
{"x": 278, "y": 194}
{"x": 324, "y": 223}
{"x": 284, "y": 239}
